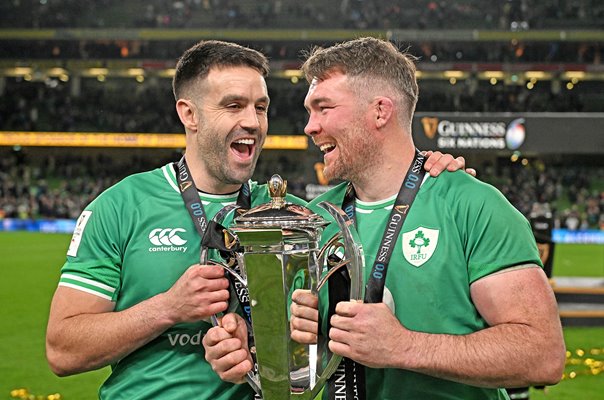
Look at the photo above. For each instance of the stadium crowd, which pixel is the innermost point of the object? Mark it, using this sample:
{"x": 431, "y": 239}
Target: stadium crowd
{"x": 59, "y": 186}
{"x": 351, "y": 14}
{"x": 148, "y": 107}
{"x": 431, "y": 51}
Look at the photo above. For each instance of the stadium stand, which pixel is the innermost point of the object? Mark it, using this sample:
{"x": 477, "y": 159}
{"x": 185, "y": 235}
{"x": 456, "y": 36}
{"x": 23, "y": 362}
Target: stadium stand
{"x": 348, "y": 14}
{"x": 457, "y": 43}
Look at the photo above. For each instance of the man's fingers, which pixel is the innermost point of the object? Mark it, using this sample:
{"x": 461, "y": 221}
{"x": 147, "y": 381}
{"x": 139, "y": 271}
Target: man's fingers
{"x": 209, "y": 271}
{"x": 471, "y": 171}
{"x": 233, "y": 365}
{"x": 237, "y": 373}
{"x": 348, "y": 308}
{"x": 305, "y": 298}
{"x": 303, "y": 312}
{"x": 305, "y": 325}
{"x": 215, "y": 296}
{"x": 215, "y": 308}
{"x": 230, "y": 322}
{"x": 215, "y": 335}
{"x": 432, "y": 158}
{"x": 444, "y": 161}
{"x": 340, "y": 349}
{"x": 457, "y": 163}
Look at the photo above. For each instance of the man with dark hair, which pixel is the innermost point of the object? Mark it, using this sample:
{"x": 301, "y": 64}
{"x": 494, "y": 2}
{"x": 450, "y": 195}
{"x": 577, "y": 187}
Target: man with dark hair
{"x": 457, "y": 305}
{"x": 132, "y": 293}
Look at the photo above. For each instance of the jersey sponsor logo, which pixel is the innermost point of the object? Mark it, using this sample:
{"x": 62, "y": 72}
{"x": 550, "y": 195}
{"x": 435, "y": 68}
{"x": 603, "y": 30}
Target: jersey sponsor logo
{"x": 419, "y": 245}
{"x": 78, "y": 232}
{"x": 184, "y": 339}
{"x": 167, "y": 239}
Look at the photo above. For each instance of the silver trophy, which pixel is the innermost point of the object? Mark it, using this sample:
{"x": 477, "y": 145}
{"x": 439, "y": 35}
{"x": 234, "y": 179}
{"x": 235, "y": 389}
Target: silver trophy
{"x": 278, "y": 252}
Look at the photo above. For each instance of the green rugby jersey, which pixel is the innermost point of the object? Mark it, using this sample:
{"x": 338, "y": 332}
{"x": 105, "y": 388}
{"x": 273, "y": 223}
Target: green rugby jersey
{"x": 457, "y": 231}
{"x": 131, "y": 243}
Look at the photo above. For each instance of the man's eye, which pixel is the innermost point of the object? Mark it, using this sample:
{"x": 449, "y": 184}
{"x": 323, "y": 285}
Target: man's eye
{"x": 262, "y": 108}
{"x": 234, "y": 106}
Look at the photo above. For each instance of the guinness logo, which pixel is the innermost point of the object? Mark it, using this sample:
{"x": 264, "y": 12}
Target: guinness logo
{"x": 229, "y": 240}
{"x": 349, "y": 189}
{"x": 430, "y": 125}
{"x": 185, "y": 185}
{"x": 402, "y": 209}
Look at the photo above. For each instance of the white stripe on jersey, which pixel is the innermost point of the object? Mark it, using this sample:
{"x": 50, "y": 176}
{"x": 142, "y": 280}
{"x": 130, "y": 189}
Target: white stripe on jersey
{"x": 89, "y": 281}
{"x": 170, "y": 177}
{"x": 377, "y": 203}
{"x": 83, "y": 289}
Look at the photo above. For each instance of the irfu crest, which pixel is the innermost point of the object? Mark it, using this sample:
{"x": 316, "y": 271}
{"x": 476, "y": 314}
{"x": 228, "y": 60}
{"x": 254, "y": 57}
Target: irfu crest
{"x": 419, "y": 245}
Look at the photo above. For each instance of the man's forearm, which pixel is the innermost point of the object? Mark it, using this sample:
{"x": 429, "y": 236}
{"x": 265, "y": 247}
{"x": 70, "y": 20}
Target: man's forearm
{"x": 507, "y": 355}
{"x": 86, "y": 342}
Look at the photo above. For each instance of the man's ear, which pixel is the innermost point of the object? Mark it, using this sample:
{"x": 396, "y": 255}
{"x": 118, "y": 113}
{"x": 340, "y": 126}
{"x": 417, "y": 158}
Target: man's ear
{"x": 384, "y": 109}
{"x": 187, "y": 112}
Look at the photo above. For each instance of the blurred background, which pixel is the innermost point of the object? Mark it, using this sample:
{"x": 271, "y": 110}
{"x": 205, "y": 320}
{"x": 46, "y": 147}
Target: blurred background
{"x": 515, "y": 86}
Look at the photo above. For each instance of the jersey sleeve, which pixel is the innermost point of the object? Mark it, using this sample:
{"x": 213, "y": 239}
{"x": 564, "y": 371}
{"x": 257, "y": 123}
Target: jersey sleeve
{"x": 94, "y": 256}
{"x": 497, "y": 235}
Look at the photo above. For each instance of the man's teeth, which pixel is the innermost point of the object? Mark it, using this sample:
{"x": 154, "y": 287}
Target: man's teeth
{"x": 327, "y": 147}
{"x": 245, "y": 141}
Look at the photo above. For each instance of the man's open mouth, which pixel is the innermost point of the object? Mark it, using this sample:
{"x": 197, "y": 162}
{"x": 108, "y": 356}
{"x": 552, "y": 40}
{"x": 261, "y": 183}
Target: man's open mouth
{"x": 327, "y": 147}
{"x": 243, "y": 147}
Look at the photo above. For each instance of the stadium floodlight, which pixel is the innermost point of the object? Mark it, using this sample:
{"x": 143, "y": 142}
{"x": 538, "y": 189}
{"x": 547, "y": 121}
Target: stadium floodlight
{"x": 19, "y": 71}
{"x": 136, "y": 71}
{"x": 541, "y": 75}
{"x": 454, "y": 74}
{"x": 574, "y": 75}
{"x": 97, "y": 71}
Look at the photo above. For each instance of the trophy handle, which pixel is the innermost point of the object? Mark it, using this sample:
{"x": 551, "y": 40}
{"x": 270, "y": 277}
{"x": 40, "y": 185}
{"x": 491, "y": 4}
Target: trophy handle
{"x": 250, "y": 377}
{"x": 355, "y": 259}
{"x": 354, "y": 262}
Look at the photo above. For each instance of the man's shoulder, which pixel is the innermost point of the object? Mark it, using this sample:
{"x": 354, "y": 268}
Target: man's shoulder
{"x": 138, "y": 186}
{"x": 335, "y": 195}
{"x": 458, "y": 185}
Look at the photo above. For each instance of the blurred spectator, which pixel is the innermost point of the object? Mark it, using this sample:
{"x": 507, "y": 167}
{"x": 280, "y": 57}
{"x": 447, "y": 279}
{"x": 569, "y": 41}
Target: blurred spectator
{"x": 124, "y": 105}
{"x": 270, "y": 14}
{"x": 59, "y": 186}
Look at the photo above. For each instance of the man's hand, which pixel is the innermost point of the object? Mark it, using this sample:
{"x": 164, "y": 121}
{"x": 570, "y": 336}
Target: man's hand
{"x": 227, "y": 349}
{"x": 437, "y": 162}
{"x": 200, "y": 292}
{"x": 367, "y": 333}
{"x": 304, "y": 320}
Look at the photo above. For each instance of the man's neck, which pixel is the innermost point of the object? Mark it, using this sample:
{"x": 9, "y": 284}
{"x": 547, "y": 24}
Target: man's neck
{"x": 206, "y": 183}
{"x": 387, "y": 180}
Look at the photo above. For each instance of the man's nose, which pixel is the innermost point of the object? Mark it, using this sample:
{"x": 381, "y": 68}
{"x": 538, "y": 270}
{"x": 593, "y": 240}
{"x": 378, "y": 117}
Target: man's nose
{"x": 250, "y": 119}
{"x": 312, "y": 126}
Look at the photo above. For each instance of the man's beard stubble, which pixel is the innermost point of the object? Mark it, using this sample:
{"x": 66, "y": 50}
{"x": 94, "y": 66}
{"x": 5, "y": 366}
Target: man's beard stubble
{"x": 358, "y": 159}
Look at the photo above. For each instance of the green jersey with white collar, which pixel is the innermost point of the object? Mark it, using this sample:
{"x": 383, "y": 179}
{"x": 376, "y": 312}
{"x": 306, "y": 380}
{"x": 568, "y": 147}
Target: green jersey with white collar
{"x": 458, "y": 231}
{"x": 132, "y": 243}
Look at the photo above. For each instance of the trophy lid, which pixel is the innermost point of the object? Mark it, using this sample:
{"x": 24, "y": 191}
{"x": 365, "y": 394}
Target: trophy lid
{"x": 278, "y": 213}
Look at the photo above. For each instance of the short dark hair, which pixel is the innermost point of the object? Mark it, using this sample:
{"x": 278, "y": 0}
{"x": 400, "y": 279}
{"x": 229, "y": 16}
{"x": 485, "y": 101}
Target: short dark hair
{"x": 196, "y": 62}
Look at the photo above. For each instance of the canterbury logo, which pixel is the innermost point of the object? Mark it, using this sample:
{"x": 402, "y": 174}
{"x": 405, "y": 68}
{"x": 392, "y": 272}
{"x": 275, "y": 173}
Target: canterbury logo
{"x": 430, "y": 125}
{"x": 167, "y": 237}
